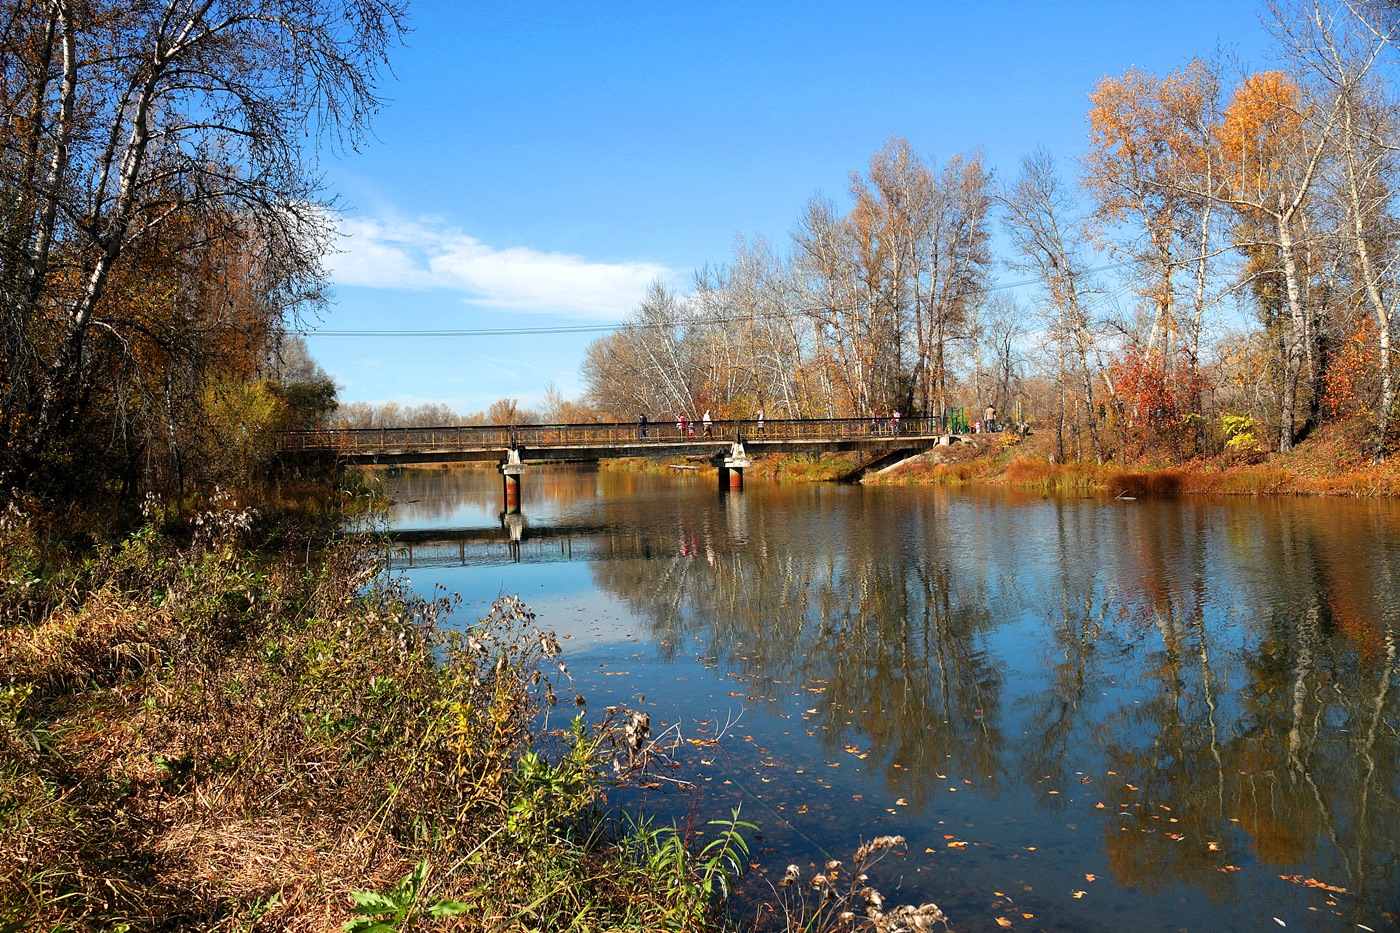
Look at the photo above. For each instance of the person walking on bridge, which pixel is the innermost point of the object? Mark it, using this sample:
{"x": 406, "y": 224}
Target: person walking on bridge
{"x": 709, "y": 427}
{"x": 642, "y": 425}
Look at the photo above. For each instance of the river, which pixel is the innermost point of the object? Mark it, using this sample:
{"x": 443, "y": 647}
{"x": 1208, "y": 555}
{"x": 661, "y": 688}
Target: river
{"x": 1083, "y": 714}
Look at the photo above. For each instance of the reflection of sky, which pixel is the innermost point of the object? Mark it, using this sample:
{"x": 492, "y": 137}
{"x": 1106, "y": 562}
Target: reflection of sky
{"x": 1083, "y": 638}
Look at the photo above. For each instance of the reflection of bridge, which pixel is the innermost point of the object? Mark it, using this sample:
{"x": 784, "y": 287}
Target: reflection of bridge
{"x": 728, "y": 444}
{"x": 477, "y": 546}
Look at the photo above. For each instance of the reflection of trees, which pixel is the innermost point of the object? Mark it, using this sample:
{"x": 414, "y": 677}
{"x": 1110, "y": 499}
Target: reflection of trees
{"x": 1231, "y": 663}
{"x": 427, "y": 495}
{"x": 880, "y": 639}
{"x": 1282, "y": 738}
{"x": 1234, "y": 662}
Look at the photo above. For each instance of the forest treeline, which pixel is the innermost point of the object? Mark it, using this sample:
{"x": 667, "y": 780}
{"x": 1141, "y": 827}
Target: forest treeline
{"x": 162, "y": 225}
{"x": 1217, "y": 269}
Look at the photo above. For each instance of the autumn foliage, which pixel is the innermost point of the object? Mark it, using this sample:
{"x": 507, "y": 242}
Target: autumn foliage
{"x": 1159, "y": 406}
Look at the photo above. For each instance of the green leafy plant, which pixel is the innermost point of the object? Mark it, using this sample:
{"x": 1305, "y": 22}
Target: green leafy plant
{"x": 399, "y": 908}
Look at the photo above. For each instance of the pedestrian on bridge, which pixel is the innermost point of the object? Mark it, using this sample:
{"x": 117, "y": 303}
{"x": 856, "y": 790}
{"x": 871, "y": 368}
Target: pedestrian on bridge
{"x": 709, "y": 426}
{"x": 642, "y": 425}
{"x": 894, "y": 422}
{"x": 760, "y": 419}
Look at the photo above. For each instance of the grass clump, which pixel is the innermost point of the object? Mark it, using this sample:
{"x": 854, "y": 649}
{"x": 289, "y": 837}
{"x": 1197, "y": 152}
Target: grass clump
{"x": 196, "y": 734}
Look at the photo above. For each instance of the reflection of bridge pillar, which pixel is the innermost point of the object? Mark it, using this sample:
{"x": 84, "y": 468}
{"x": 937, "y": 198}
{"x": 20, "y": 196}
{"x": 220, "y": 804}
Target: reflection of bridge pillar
{"x": 730, "y": 468}
{"x": 511, "y": 468}
{"x": 514, "y": 524}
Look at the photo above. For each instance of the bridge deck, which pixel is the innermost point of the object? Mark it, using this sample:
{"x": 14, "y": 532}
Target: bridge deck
{"x": 600, "y": 441}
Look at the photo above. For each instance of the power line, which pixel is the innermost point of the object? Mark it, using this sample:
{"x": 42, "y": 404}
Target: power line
{"x": 624, "y": 325}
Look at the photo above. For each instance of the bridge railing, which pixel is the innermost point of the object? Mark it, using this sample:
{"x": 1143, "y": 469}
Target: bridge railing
{"x": 615, "y": 434}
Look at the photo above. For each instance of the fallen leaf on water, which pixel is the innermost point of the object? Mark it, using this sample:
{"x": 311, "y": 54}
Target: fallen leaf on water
{"x": 957, "y": 844}
{"x": 1088, "y": 877}
{"x": 1313, "y": 883}
{"x": 928, "y": 850}
{"x": 1098, "y": 806}
{"x": 1280, "y": 922}
{"x": 1230, "y": 868}
{"x": 1213, "y": 846}
{"x": 901, "y": 802}
{"x": 1078, "y": 893}
{"x": 1003, "y": 922}
{"x": 1028, "y": 916}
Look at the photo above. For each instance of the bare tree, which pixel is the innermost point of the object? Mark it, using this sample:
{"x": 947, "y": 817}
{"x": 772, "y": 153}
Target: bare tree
{"x": 1039, "y": 214}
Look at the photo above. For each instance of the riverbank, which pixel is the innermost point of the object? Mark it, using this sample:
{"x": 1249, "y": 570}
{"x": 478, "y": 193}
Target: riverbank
{"x": 1325, "y": 465}
{"x": 202, "y": 731}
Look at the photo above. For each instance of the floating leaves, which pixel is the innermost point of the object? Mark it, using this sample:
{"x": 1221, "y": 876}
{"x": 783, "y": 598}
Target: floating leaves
{"x": 1313, "y": 883}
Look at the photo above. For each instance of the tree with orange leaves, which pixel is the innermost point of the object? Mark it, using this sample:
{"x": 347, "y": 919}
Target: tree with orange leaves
{"x": 1271, "y": 142}
{"x": 1148, "y": 154}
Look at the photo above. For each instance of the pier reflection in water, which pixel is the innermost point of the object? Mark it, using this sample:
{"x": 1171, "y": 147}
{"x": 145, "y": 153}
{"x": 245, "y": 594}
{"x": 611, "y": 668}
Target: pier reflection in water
{"x": 1179, "y": 715}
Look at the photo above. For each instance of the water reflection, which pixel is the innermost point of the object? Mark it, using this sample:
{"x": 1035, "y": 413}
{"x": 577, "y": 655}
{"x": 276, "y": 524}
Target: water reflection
{"x": 1192, "y": 698}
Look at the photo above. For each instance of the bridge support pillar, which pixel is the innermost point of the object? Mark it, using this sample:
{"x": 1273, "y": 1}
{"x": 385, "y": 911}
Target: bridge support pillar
{"x": 511, "y": 469}
{"x": 730, "y": 468}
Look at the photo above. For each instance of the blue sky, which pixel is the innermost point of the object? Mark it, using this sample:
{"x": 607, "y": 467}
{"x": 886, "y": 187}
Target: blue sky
{"x": 539, "y": 164}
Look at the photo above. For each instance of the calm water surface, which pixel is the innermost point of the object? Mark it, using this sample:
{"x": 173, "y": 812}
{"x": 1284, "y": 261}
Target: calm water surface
{"x": 1083, "y": 714}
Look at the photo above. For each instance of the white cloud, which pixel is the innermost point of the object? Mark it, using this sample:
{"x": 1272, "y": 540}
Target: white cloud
{"x": 426, "y": 255}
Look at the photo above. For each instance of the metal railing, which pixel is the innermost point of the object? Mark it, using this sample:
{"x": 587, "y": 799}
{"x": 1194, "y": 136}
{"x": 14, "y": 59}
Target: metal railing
{"x": 613, "y": 434}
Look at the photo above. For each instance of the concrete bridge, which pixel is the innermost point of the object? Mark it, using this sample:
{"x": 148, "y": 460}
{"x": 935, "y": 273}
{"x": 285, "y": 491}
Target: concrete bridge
{"x": 727, "y": 444}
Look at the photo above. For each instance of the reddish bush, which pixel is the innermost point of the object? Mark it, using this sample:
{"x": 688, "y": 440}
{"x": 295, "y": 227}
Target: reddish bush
{"x": 1159, "y": 405}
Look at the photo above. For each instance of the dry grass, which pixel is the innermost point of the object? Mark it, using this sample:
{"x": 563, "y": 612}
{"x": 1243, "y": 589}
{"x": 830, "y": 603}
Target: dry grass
{"x": 1160, "y": 484}
{"x": 199, "y": 736}
{"x": 1052, "y": 477}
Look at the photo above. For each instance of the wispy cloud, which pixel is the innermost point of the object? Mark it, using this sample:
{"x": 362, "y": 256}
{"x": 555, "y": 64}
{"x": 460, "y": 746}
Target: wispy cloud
{"x": 427, "y": 255}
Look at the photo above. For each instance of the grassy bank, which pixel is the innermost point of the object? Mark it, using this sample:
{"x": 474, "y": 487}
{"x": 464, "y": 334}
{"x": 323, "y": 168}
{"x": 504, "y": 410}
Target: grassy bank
{"x": 795, "y": 467}
{"x": 198, "y": 733}
{"x": 1326, "y": 464}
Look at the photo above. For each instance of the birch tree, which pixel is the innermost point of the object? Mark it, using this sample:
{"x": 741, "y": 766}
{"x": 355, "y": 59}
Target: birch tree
{"x": 1039, "y": 219}
{"x": 1340, "y": 50}
{"x": 123, "y": 118}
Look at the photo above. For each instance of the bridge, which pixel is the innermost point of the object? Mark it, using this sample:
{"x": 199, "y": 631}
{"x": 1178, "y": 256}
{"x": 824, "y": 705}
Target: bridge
{"x": 727, "y": 444}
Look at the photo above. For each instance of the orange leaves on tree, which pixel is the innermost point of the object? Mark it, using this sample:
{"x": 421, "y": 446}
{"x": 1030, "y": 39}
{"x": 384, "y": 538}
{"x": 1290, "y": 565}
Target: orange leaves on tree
{"x": 1260, "y": 129}
{"x": 1350, "y": 384}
